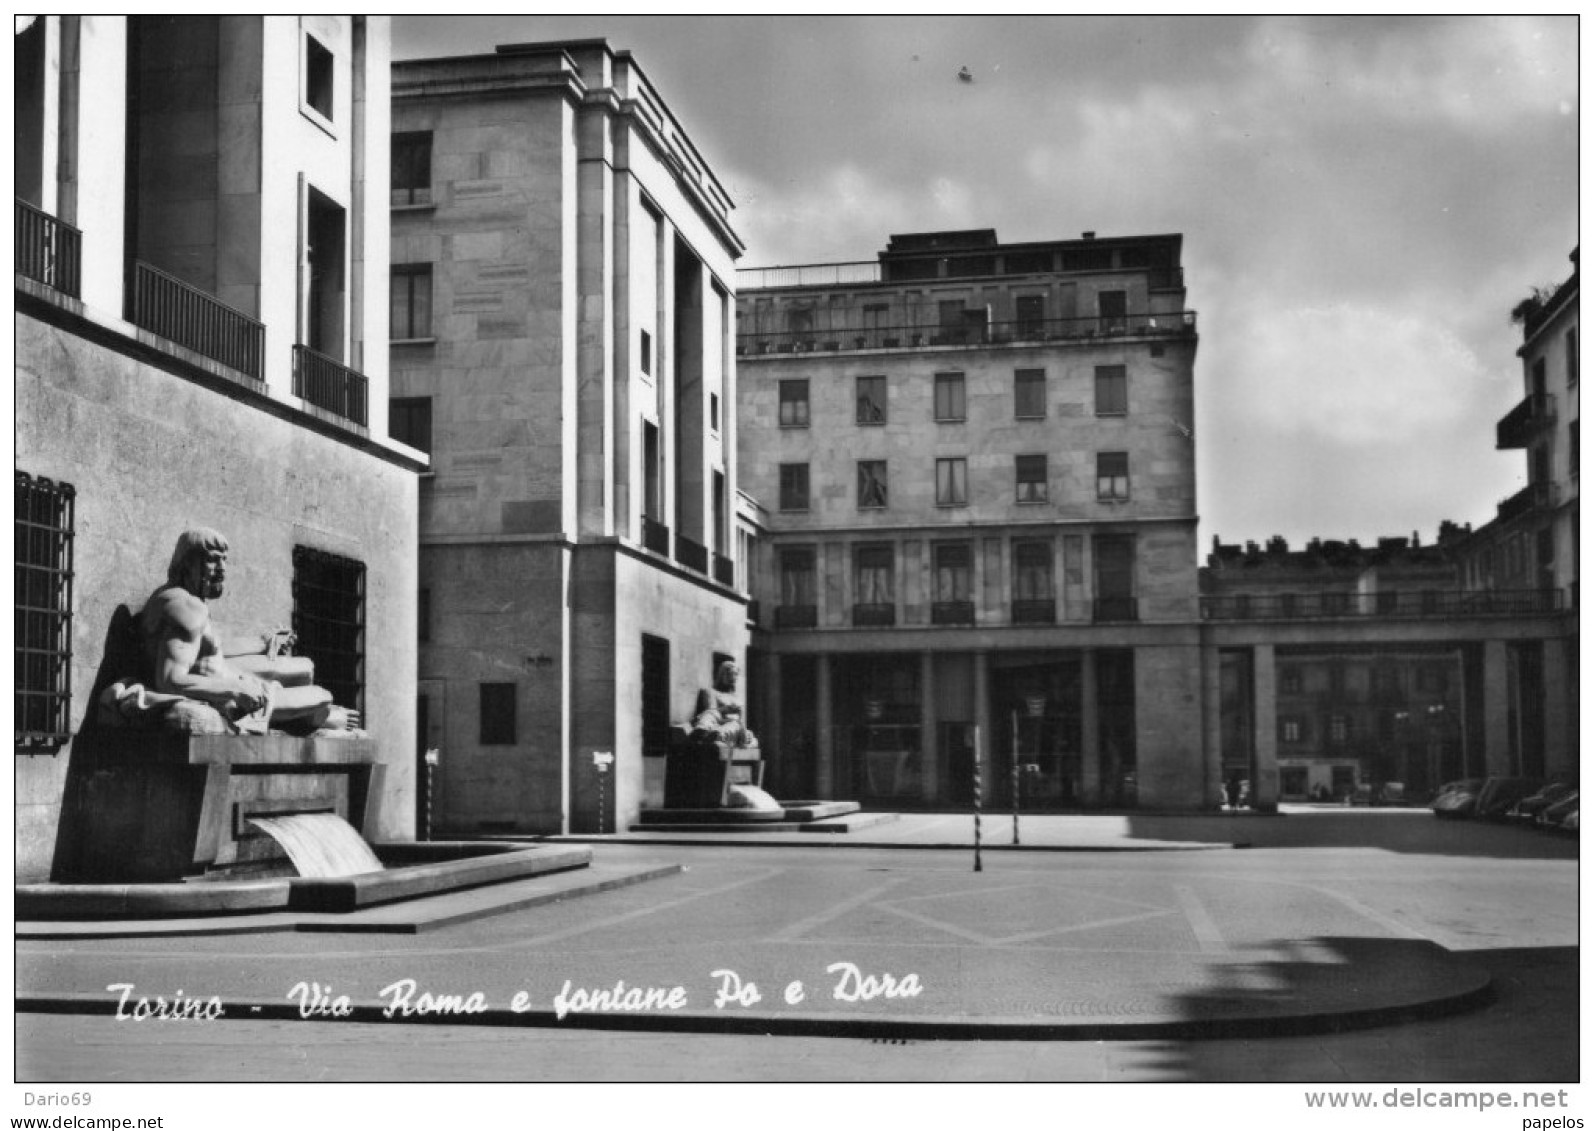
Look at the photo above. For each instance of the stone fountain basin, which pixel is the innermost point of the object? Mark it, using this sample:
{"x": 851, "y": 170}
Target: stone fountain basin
{"x": 411, "y": 871}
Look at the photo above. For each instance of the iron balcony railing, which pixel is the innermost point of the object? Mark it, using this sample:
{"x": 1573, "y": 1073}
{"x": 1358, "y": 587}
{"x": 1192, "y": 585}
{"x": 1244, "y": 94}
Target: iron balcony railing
{"x": 1115, "y": 609}
{"x": 1517, "y": 427}
{"x": 655, "y": 536}
{"x": 1535, "y": 496}
{"x": 724, "y": 570}
{"x": 328, "y": 384}
{"x": 796, "y": 616}
{"x": 1018, "y": 332}
{"x": 913, "y": 270}
{"x": 1035, "y": 611}
{"x": 808, "y": 275}
{"x": 874, "y": 616}
{"x": 1417, "y": 603}
{"x": 693, "y": 555}
{"x": 49, "y": 251}
{"x": 952, "y": 612}
{"x": 163, "y": 304}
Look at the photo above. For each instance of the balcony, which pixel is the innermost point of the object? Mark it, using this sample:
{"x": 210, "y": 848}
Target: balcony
{"x": 1035, "y": 611}
{"x": 329, "y": 385}
{"x": 874, "y": 616}
{"x": 693, "y": 555}
{"x": 1429, "y": 603}
{"x": 1521, "y": 424}
{"x": 796, "y": 616}
{"x": 49, "y": 251}
{"x": 163, "y": 304}
{"x": 1109, "y": 609}
{"x": 655, "y": 536}
{"x": 724, "y": 570}
{"x": 1533, "y": 497}
{"x": 931, "y": 335}
{"x": 952, "y": 612}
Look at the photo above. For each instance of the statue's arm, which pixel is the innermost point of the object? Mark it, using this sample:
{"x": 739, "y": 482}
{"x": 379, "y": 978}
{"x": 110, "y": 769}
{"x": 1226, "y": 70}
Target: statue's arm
{"x": 182, "y": 631}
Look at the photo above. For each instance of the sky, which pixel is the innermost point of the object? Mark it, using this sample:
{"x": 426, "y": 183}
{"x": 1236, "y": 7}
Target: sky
{"x": 1363, "y": 201}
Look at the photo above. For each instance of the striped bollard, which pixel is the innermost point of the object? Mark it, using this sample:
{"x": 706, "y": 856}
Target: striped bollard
{"x": 978, "y": 865}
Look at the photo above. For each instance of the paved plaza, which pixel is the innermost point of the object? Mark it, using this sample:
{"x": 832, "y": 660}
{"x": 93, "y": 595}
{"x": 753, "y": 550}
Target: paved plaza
{"x": 1337, "y": 945}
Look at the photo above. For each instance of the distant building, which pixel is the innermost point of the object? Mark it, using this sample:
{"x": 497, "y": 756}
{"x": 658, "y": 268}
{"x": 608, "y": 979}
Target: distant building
{"x": 562, "y": 287}
{"x": 978, "y": 467}
{"x": 201, "y": 265}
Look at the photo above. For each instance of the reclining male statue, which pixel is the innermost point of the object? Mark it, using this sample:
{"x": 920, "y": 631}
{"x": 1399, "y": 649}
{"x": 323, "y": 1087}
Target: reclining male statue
{"x": 717, "y": 721}
{"x": 200, "y": 682}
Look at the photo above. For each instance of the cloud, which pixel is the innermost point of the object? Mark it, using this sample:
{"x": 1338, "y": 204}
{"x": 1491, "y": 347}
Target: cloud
{"x": 1351, "y": 375}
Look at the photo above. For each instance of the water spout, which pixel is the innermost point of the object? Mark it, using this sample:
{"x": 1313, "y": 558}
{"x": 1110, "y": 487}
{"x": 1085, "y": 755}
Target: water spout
{"x": 321, "y": 845}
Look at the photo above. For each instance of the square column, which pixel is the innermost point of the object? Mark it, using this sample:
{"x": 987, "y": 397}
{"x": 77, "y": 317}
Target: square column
{"x": 1089, "y": 730}
{"x": 1560, "y": 748}
{"x": 1264, "y": 694}
{"x": 929, "y": 740}
{"x": 1497, "y": 744}
{"x": 824, "y": 740}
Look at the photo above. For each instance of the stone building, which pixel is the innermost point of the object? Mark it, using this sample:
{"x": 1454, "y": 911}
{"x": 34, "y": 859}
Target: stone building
{"x": 201, "y": 260}
{"x": 977, "y": 464}
{"x": 562, "y": 304}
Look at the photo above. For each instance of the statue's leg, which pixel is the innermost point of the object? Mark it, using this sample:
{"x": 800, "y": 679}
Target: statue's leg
{"x": 312, "y": 708}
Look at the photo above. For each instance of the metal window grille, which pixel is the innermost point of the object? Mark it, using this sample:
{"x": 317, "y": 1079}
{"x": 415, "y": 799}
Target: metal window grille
{"x": 43, "y": 641}
{"x": 655, "y": 695}
{"x": 329, "y": 620}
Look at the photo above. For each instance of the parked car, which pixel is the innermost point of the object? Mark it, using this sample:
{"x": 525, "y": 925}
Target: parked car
{"x": 1499, "y": 794}
{"x": 1556, "y": 816}
{"x": 1456, "y": 798}
{"x": 1390, "y": 793}
{"x": 1528, "y": 809}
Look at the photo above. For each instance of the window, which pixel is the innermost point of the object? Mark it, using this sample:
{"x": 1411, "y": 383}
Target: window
{"x": 874, "y": 575}
{"x": 423, "y": 615}
{"x": 1032, "y": 571}
{"x": 329, "y": 620}
{"x": 1031, "y": 315}
{"x": 871, "y": 400}
{"x": 317, "y": 77}
{"x": 43, "y": 528}
{"x": 412, "y": 169}
{"x": 1112, "y": 477}
{"x": 646, "y": 351}
{"x": 794, "y": 486}
{"x": 655, "y": 695}
{"x": 1538, "y": 376}
{"x": 951, "y": 482}
{"x": 1029, "y": 394}
{"x": 1112, "y": 390}
{"x": 794, "y": 404}
{"x": 871, "y": 483}
{"x": 1114, "y": 556}
{"x": 1571, "y": 358}
{"x": 409, "y": 421}
{"x": 797, "y": 578}
{"x": 953, "y": 571}
{"x": 1338, "y": 729}
{"x": 1290, "y": 680}
{"x": 1113, "y": 309}
{"x": 411, "y": 299}
{"x": 949, "y": 397}
{"x": 1290, "y": 730}
{"x": 1031, "y": 473}
{"x": 714, "y": 412}
{"x": 498, "y": 714}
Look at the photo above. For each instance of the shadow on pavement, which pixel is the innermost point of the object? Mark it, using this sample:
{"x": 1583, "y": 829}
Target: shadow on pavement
{"x": 1525, "y": 1032}
{"x": 1393, "y": 830}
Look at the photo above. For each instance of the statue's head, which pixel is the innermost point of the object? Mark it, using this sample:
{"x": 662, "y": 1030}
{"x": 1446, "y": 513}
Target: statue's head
{"x": 725, "y": 676}
{"x": 199, "y": 563}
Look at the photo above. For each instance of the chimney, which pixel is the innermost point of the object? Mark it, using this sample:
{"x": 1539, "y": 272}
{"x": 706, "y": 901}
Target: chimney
{"x": 1087, "y": 235}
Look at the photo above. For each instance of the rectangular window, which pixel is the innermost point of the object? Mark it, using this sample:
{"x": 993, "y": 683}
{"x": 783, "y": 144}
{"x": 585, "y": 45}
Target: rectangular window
{"x": 498, "y": 714}
{"x": 1031, "y": 315}
{"x": 655, "y": 695}
{"x": 1032, "y": 571}
{"x": 1290, "y": 730}
{"x": 1114, "y": 556}
{"x": 317, "y": 77}
{"x": 794, "y": 486}
{"x": 423, "y": 615}
{"x": 954, "y": 571}
{"x": 1113, "y": 309}
{"x": 874, "y": 575}
{"x": 410, "y": 316}
{"x": 949, "y": 397}
{"x": 794, "y": 404}
{"x": 713, "y": 412}
{"x": 409, "y": 421}
{"x": 871, "y": 400}
{"x": 329, "y": 620}
{"x": 647, "y": 353}
{"x": 43, "y": 524}
{"x": 1290, "y": 680}
{"x": 1338, "y": 729}
{"x": 1112, "y": 476}
{"x": 871, "y": 484}
{"x": 949, "y": 314}
{"x": 412, "y": 168}
{"x": 1031, "y": 474}
{"x": 1112, "y": 390}
{"x": 1029, "y": 394}
{"x": 951, "y": 482}
{"x": 797, "y": 586}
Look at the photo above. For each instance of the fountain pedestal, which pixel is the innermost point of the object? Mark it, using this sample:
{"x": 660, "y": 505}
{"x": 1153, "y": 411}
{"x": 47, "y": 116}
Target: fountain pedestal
{"x": 153, "y": 807}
